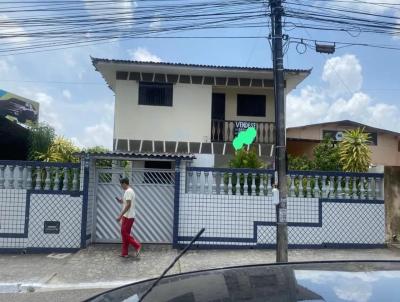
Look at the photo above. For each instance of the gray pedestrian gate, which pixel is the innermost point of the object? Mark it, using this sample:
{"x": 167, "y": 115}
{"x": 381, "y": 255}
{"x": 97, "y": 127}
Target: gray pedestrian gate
{"x": 154, "y": 190}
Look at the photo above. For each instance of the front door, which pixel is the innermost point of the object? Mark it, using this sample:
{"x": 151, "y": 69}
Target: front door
{"x": 218, "y": 117}
{"x": 218, "y": 106}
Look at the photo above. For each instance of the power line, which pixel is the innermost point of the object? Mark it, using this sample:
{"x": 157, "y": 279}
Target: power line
{"x": 52, "y": 82}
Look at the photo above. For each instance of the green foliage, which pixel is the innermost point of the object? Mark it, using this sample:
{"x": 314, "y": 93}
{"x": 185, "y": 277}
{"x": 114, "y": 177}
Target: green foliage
{"x": 300, "y": 163}
{"x": 63, "y": 150}
{"x": 326, "y": 156}
{"x": 355, "y": 154}
{"x": 40, "y": 139}
{"x": 97, "y": 150}
{"x": 246, "y": 159}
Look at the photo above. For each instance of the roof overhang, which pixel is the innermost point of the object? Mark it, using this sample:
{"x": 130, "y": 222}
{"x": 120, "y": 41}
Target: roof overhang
{"x": 109, "y": 68}
{"x": 118, "y": 155}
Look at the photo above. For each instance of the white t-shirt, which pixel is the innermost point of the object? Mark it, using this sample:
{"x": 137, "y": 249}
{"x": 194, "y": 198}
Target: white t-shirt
{"x": 129, "y": 195}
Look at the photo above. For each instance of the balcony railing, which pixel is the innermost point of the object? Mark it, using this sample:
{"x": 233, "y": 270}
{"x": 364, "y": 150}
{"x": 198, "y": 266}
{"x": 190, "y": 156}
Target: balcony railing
{"x": 225, "y": 131}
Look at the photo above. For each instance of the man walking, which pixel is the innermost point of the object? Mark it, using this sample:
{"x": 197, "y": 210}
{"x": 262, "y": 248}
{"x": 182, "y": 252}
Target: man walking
{"x": 127, "y": 218}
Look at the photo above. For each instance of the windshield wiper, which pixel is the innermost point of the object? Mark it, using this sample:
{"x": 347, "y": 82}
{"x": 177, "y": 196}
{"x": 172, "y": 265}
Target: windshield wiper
{"x": 172, "y": 264}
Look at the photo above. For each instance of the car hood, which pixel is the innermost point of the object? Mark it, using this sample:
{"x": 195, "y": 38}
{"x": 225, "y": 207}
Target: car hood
{"x": 317, "y": 281}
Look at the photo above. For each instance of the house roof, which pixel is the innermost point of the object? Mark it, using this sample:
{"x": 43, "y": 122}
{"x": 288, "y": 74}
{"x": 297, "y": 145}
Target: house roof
{"x": 109, "y": 67}
{"x": 95, "y": 61}
{"x": 349, "y": 123}
{"x": 139, "y": 155}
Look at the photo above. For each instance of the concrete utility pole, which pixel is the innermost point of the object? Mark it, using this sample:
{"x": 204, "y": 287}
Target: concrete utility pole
{"x": 280, "y": 141}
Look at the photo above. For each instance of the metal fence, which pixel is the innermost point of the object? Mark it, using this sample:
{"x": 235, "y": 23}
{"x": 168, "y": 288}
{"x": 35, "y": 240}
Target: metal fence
{"x": 154, "y": 189}
{"x": 41, "y": 206}
{"x": 235, "y": 206}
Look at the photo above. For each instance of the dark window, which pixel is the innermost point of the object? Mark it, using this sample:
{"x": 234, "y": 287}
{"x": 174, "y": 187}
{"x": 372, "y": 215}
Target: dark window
{"x": 251, "y": 105}
{"x": 155, "y": 94}
{"x": 398, "y": 147}
{"x": 160, "y": 172}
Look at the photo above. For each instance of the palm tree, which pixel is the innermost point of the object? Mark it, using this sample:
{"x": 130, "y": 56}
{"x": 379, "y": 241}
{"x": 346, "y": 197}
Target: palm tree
{"x": 355, "y": 154}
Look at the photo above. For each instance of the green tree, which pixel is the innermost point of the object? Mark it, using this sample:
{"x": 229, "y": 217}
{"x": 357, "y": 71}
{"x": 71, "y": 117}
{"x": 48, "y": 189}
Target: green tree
{"x": 63, "y": 150}
{"x": 326, "y": 156}
{"x": 355, "y": 154}
{"x": 300, "y": 163}
{"x": 40, "y": 139}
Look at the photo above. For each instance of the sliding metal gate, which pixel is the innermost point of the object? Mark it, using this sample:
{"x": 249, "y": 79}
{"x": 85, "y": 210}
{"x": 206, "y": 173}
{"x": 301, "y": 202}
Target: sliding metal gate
{"x": 154, "y": 204}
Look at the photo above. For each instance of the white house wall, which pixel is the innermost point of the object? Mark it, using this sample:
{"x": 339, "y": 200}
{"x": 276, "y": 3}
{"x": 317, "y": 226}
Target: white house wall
{"x": 189, "y": 119}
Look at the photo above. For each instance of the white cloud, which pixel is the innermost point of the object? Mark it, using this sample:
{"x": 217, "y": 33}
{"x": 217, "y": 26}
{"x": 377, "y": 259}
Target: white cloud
{"x": 109, "y": 111}
{"x": 308, "y": 106}
{"x": 332, "y": 102}
{"x": 47, "y": 113}
{"x": 6, "y": 67}
{"x": 67, "y": 94}
{"x": 98, "y": 135}
{"x": 13, "y": 30}
{"x": 343, "y": 74}
{"x": 142, "y": 54}
{"x": 125, "y": 9}
{"x": 77, "y": 142}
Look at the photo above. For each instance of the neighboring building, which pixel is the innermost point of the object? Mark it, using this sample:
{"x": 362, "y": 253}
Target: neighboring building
{"x": 14, "y": 140}
{"x": 186, "y": 108}
{"x": 17, "y": 108}
{"x": 385, "y": 145}
{"x": 16, "y": 114}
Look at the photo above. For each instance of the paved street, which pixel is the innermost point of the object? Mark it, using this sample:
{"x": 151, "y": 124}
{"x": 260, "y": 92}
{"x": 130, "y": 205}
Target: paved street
{"x": 74, "y": 277}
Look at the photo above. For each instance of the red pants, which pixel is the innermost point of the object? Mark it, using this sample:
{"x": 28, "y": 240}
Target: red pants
{"x": 126, "y": 226}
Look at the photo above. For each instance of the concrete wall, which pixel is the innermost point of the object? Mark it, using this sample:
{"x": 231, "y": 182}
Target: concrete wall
{"x": 23, "y": 213}
{"x": 231, "y": 103}
{"x": 249, "y": 221}
{"x": 189, "y": 119}
{"x": 385, "y": 153}
{"x": 392, "y": 203}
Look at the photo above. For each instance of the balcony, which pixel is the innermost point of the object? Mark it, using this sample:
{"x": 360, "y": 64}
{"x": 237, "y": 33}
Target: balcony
{"x": 226, "y": 131}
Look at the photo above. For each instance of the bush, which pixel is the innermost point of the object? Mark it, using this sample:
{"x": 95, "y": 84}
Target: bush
{"x": 326, "y": 156}
{"x": 300, "y": 163}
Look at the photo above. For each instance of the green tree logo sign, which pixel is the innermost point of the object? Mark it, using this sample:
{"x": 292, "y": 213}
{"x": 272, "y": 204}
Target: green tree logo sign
{"x": 245, "y": 137}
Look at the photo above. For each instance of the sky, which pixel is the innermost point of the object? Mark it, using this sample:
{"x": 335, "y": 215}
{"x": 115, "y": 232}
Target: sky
{"x": 356, "y": 83}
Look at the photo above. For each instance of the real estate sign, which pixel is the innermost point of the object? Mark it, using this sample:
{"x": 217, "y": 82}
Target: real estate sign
{"x": 19, "y": 109}
{"x": 241, "y": 126}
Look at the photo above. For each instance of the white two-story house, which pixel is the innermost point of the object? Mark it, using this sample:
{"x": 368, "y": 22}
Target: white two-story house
{"x": 195, "y": 109}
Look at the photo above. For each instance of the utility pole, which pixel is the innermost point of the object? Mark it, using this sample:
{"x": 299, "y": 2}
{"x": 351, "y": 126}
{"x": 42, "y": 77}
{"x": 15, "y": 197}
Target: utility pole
{"x": 280, "y": 137}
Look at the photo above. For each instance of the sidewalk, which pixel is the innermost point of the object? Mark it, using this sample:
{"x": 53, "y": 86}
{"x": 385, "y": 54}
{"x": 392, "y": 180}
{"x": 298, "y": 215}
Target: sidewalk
{"x": 100, "y": 267}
